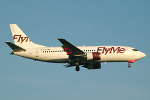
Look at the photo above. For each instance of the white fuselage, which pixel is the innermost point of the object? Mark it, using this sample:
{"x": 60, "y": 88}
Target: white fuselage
{"x": 107, "y": 53}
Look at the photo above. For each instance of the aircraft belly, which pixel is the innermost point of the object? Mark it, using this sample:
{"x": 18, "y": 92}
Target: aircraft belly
{"x": 59, "y": 60}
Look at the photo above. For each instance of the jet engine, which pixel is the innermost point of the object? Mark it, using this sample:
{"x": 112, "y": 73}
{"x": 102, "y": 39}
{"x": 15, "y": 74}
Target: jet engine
{"x": 93, "y": 56}
{"x": 93, "y": 65}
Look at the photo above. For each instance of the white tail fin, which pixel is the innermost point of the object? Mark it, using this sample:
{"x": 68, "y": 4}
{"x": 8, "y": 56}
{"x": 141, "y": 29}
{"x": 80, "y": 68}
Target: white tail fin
{"x": 21, "y": 39}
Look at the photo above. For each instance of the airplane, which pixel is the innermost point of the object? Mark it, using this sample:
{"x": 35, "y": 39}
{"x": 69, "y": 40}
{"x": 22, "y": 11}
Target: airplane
{"x": 89, "y": 57}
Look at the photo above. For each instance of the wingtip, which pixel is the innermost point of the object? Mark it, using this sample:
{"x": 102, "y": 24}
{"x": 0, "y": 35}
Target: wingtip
{"x": 7, "y": 41}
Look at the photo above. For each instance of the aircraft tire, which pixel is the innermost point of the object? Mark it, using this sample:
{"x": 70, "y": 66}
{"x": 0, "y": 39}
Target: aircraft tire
{"x": 77, "y": 68}
{"x": 129, "y": 65}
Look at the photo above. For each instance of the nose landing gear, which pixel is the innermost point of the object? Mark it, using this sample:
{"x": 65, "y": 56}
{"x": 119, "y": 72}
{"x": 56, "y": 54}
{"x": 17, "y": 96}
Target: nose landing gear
{"x": 129, "y": 65}
{"x": 131, "y": 61}
{"x": 77, "y": 66}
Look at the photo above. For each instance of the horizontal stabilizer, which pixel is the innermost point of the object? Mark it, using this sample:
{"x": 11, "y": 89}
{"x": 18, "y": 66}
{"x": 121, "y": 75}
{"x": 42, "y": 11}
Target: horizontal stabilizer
{"x": 14, "y": 47}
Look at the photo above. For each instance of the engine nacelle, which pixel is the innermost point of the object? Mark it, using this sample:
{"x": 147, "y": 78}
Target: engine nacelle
{"x": 93, "y": 66}
{"x": 93, "y": 56}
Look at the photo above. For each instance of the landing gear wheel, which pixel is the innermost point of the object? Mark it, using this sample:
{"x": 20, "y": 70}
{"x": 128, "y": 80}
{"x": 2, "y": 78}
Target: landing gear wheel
{"x": 77, "y": 68}
{"x": 129, "y": 65}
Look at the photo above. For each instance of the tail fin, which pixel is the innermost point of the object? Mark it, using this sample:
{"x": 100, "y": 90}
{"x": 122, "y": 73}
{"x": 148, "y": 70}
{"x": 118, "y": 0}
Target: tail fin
{"x": 21, "y": 39}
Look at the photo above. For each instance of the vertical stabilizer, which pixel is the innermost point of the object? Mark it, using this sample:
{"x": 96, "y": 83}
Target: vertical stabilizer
{"x": 21, "y": 39}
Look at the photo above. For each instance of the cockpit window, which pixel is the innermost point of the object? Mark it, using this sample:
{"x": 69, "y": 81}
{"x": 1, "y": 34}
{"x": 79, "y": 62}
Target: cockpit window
{"x": 134, "y": 49}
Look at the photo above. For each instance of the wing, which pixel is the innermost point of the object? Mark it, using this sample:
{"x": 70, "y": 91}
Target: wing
{"x": 71, "y": 49}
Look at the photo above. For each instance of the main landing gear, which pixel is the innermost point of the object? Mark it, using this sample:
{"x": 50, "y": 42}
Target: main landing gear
{"x": 77, "y": 66}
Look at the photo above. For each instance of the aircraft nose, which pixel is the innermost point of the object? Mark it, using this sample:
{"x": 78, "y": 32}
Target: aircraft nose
{"x": 139, "y": 55}
{"x": 143, "y": 55}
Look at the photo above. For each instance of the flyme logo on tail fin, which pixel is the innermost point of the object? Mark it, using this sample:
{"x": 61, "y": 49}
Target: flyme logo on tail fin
{"x": 21, "y": 39}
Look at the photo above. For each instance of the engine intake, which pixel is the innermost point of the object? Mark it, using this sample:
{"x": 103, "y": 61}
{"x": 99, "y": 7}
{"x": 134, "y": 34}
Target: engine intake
{"x": 93, "y": 56}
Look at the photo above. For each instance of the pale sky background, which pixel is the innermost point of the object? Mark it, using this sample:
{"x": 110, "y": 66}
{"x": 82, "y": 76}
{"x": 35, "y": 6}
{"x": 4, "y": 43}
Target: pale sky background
{"x": 81, "y": 22}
